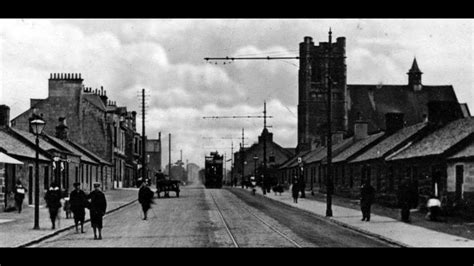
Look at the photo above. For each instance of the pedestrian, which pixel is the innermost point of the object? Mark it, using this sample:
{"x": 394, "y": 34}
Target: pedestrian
{"x": 20, "y": 191}
{"x": 434, "y": 207}
{"x": 53, "y": 203}
{"x": 78, "y": 204}
{"x": 145, "y": 198}
{"x": 97, "y": 207}
{"x": 367, "y": 195}
{"x": 295, "y": 189}
{"x": 406, "y": 199}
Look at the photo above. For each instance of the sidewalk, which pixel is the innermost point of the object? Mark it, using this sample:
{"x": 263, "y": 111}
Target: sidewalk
{"x": 16, "y": 229}
{"x": 382, "y": 227}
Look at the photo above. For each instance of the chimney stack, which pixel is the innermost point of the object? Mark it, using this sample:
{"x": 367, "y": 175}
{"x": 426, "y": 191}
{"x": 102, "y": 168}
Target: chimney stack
{"x": 360, "y": 130}
{"x": 4, "y": 116}
{"x": 393, "y": 122}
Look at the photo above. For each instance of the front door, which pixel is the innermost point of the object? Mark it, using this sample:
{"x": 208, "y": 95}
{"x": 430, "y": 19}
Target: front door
{"x": 459, "y": 181}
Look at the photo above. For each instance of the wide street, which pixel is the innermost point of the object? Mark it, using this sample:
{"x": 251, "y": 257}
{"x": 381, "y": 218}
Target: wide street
{"x": 215, "y": 218}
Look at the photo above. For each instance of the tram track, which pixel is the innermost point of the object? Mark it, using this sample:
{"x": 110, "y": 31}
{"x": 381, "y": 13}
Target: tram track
{"x": 257, "y": 217}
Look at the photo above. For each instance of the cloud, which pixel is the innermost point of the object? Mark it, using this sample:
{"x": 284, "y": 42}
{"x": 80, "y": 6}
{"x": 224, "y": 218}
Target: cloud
{"x": 166, "y": 58}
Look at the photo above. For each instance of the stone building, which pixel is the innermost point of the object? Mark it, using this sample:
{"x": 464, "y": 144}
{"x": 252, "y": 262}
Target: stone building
{"x": 353, "y": 102}
{"x": 94, "y": 122}
{"x": 276, "y": 155}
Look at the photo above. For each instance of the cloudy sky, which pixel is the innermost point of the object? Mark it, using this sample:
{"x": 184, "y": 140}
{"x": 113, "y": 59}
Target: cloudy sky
{"x": 166, "y": 58}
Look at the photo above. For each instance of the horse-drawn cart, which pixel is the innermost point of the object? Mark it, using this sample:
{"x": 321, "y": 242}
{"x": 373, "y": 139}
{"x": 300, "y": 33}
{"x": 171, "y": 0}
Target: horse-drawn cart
{"x": 166, "y": 186}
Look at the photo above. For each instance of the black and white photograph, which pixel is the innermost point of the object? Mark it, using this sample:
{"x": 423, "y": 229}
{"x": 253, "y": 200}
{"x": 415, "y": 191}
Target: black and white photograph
{"x": 236, "y": 133}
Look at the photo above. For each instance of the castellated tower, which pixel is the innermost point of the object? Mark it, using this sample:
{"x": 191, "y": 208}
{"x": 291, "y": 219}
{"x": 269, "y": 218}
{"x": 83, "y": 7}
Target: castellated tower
{"x": 312, "y": 91}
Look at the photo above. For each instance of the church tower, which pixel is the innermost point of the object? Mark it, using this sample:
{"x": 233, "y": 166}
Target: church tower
{"x": 316, "y": 62}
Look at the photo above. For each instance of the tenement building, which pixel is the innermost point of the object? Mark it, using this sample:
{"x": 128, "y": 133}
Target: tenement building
{"x": 94, "y": 122}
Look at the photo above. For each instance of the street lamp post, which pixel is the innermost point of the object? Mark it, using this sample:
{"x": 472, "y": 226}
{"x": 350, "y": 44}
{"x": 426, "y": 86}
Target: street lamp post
{"x": 329, "y": 185}
{"x": 37, "y": 125}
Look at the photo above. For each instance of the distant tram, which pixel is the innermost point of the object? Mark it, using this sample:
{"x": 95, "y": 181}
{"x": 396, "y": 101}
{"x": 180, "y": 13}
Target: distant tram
{"x": 213, "y": 170}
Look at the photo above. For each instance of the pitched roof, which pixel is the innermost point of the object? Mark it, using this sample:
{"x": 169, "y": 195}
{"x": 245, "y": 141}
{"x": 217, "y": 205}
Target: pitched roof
{"x": 44, "y": 145}
{"x": 374, "y": 101}
{"x": 414, "y": 67}
{"x": 95, "y": 100}
{"x": 466, "y": 152}
{"x": 293, "y": 161}
{"x": 440, "y": 140}
{"x": 380, "y": 149}
{"x": 356, "y": 146}
{"x": 13, "y": 146}
{"x": 72, "y": 149}
{"x": 320, "y": 153}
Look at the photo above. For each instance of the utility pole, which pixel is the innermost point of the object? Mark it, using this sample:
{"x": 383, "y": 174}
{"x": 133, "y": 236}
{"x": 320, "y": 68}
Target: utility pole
{"x": 144, "y": 171}
{"x": 169, "y": 156}
{"x": 232, "y": 164}
{"x": 242, "y": 158}
{"x": 329, "y": 185}
{"x": 264, "y": 137}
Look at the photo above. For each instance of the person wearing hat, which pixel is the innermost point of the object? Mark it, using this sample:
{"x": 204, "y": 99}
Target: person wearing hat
{"x": 97, "y": 207}
{"x": 78, "y": 202}
{"x": 53, "y": 203}
{"x": 145, "y": 198}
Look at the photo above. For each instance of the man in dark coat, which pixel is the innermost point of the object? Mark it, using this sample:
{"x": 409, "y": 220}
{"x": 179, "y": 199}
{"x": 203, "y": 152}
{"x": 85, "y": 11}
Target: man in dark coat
{"x": 367, "y": 195}
{"x": 145, "y": 198}
{"x": 78, "y": 202}
{"x": 53, "y": 203}
{"x": 97, "y": 207}
{"x": 407, "y": 198}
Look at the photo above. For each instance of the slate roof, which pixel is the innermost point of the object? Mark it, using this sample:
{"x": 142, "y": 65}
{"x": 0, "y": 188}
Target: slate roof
{"x": 72, "y": 149}
{"x": 466, "y": 152}
{"x": 13, "y": 146}
{"x": 293, "y": 161}
{"x": 440, "y": 140}
{"x": 380, "y": 149}
{"x": 373, "y": 101}
{"x": 95, "y": 100}
{"x": 321, "y": 153}
{"x": 44, "y": 145}
{"x": 356, "y": 146}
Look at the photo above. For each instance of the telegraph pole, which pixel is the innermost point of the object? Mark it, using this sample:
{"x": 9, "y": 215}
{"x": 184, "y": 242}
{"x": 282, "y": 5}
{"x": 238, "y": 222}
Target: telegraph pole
{"x": 144, "y": 171}
{"x": 242, "y": 157}
{"x": 264, "y": 137}
{"x": 169, "y": 155}
{"x": 329, "y": 184}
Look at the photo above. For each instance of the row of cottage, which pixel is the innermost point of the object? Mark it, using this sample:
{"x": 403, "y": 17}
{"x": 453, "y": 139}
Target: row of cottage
{"x": 87, "y": 138}
{"x": 436, "y": 155}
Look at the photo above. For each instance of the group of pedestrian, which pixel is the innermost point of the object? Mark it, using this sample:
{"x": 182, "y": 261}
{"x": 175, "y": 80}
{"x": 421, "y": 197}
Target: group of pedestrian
{"x": 95, "y": 201}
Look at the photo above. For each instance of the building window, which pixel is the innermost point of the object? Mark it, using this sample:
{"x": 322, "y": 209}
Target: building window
{"x": 30, "y": 185}
{"x": 343, "y": 175}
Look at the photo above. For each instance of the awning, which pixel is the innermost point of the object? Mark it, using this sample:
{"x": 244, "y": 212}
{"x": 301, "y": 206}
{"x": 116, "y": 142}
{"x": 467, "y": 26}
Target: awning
{"x": 7, "y": 159}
